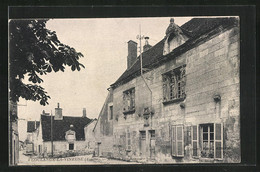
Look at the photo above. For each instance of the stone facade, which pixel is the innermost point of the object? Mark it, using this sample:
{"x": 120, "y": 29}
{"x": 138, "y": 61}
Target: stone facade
{"x": 202, "y": 126}
{"x": 13, "y": 134}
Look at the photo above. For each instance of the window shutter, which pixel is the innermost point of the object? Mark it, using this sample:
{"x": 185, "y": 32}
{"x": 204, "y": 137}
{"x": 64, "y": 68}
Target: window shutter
{"x": 174, "y": 152}
{"x": 177, "y": 141}
{"x": 180, "y": 142}
{"x": 194, "y": 140}
{"x": 128, "y": 140}
{"x": 218, "y": 140}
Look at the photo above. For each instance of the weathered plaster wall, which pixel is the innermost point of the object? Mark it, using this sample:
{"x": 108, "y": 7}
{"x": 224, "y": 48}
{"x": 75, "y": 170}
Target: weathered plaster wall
{"x": 63, "y": 146}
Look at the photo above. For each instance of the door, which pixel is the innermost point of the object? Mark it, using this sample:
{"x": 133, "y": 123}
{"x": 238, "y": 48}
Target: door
{"x": 142, "y": 143}
{"x": 98, "y": 148}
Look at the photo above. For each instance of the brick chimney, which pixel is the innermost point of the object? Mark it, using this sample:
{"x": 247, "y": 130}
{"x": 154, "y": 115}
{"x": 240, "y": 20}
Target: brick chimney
{"x": 146, "y": 46}
{"x": 84, "y": 113}
{"x": 132, "y": 53}
{"x": 58, "y": 113}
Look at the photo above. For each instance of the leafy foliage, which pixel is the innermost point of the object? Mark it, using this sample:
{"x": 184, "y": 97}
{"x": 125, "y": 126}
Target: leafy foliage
{"x": 35, "y": 51}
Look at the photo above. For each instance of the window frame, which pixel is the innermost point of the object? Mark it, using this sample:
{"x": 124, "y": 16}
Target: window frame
{"x": 167, "y": 85}
{"x": 132, "y": 101}
{"x": 73, "y": 146}
{"x": 199, "y": 140}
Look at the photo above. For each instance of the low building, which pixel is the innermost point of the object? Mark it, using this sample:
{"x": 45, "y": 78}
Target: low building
{"x": 32, "y": 137}
{"x": 185, "y": 104}
{"x": 61, "y": 134}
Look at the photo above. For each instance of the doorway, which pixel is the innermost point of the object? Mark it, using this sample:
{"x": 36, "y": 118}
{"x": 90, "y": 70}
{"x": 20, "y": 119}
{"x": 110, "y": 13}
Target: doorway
{"x": 142, "y": 143}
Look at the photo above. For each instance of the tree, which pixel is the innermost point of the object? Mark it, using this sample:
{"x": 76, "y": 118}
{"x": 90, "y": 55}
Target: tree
{"x": 35, "y": 51}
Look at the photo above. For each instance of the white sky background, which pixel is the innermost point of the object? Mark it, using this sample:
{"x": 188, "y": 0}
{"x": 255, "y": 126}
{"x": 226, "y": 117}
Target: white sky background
{"x": 103, "y": 42}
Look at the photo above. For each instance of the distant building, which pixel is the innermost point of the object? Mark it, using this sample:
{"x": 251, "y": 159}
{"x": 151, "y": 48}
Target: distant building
{"x": 32, "y": 137}
{"x": 185, "y": 107}
{"x": 66, "y": 132}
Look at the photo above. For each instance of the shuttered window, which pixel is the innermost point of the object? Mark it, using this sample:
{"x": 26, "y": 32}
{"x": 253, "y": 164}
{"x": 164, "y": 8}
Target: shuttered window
{"x": 194, "y": 140}
{"x": 177, "y": 141}
{"x": 207, "y": 140}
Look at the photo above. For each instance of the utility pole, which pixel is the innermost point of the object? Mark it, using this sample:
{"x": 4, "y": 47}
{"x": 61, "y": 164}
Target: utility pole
{"x": 140, "y": 37}
{"x": 51, "y": 136}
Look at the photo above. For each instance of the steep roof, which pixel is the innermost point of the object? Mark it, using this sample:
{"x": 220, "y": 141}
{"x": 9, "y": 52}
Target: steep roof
{"x": 193, "y": 28}
{"x": 31, "y": 127}
{"x": 61, "y": 126}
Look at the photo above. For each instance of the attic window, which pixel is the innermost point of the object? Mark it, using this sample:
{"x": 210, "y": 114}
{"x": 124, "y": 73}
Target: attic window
{"x": 174, "y": 85}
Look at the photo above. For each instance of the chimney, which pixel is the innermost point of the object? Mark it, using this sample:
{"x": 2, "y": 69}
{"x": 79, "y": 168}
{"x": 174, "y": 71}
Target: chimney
{"x": 84, "y": 113}
{"x": 58, "y": 113}
{"x": 132, "y": 53}
{"x": 146, "y": 46}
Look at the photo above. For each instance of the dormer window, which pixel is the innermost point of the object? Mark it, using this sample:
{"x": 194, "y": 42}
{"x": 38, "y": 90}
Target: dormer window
{"x": 174, "y": 37}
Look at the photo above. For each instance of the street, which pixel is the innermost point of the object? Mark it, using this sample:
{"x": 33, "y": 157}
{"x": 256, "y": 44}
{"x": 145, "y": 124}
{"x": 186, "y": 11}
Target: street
{"x": 76, "y": 160}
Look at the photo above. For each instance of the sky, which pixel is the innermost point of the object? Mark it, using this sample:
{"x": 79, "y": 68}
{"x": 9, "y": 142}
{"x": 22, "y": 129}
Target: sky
{"x": 103, "y": 42}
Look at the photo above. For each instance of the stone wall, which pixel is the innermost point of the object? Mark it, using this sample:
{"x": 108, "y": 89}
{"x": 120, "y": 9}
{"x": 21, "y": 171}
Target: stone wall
{"x": 212, "y": 69}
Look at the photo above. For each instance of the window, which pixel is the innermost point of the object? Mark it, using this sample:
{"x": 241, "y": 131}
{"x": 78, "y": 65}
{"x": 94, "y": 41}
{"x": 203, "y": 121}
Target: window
{"x": 110, "y": 112}
{"x": 174, "y": 85}
{"x": 177, "y": 141}
{"x": 152, "y": 133}
{"x": 208, "y": 138}
{"x": 129, "y": 101}
{"x": 70, "y": 136}
{"x": 71, "y": 146}
{"x": 143, "y": 135}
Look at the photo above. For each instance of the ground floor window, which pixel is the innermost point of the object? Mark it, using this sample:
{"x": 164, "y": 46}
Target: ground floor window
{"x": 71, "y": 146}
{"x": 207, "y": 140}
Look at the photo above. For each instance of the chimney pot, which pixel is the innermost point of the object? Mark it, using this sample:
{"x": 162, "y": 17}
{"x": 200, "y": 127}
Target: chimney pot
{"x": 84, "y": 113}
{"x": 146, "y": 46}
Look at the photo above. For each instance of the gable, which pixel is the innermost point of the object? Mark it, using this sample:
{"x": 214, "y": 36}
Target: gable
{"x": 60, "y": 127}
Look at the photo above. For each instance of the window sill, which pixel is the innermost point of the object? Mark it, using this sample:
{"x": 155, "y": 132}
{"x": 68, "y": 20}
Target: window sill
{"x": 129, "y": 112}
{"x": 173, "y": 101}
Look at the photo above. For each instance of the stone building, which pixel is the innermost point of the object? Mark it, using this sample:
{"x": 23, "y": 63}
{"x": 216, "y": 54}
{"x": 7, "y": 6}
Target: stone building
{"x": 13, "y": 134}
{"x": 186, "y": 105}
{"x": 66, "y": 133}
{"x": 32, "y": 137}
{"x": 103, "y": 129}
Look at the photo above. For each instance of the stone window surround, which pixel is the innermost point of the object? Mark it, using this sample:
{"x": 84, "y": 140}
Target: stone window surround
{"x": 131, "y": 106}
{"x": 180, "y": 97}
